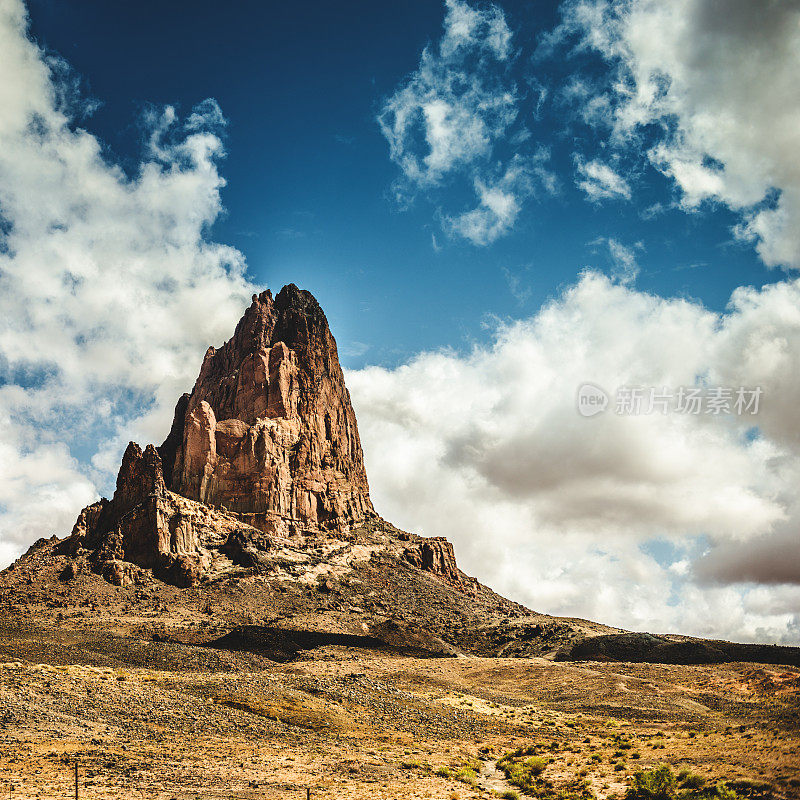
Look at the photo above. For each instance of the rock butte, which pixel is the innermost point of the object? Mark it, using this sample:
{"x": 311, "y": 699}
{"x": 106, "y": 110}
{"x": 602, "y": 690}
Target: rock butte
{"x": 268, "y": 431}
{"x": 266, "y": 446}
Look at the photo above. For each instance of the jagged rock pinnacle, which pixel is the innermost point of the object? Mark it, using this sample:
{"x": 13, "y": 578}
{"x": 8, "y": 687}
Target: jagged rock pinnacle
{"x": 269, "y": 430}
{"x": 268, "y": 435}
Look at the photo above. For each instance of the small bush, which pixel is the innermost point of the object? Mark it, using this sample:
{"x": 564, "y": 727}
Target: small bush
{"x": 522, "y": 769}
{"x": 466, "y": 775}
{"x": 723, "y": 792}
{"x": 510, "y": 794}
{"x": 654, "y": 784}
{"x": 692, "y": 781}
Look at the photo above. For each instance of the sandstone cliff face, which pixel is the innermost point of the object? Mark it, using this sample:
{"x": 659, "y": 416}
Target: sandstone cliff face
{"x": 268, "y": 431}
{"x": 435, "y": 555}
{"x": 140, "y": 525}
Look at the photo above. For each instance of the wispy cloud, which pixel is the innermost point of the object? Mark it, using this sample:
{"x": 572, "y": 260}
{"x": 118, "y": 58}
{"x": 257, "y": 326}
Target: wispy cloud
{"x": 356, "y": 349}
{"x": 498, "y": 207}
{"x": 600, "y": 182}
{"x": 622, "y": 258}
{"x": 519, "y": 290}
{"x": 452, "y": 109}
{"x": 449, "y": 116}
{"x": 292, "y": 233}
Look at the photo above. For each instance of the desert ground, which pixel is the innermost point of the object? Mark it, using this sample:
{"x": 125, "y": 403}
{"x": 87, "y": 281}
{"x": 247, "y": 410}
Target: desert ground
{"x": 156, "y": 719}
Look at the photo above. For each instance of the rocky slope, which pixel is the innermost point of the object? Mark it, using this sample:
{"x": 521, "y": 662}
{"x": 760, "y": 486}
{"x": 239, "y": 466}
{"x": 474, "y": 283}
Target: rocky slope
{"x": 265, "y": 448}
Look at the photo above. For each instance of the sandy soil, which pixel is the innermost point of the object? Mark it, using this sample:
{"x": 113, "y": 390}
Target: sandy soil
{"x": 347, "y": 723}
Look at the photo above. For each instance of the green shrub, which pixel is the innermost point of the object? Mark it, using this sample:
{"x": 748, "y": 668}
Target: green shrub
{"x": 466, "y": 775}
{"x": 690, "y": 780}
{"x": 510, "y": 794}
{"x": 522, "y": 769}
{"x": 653, "y": 784}
{"x": 723, "y": 792}
{"x": 525, "y": 770}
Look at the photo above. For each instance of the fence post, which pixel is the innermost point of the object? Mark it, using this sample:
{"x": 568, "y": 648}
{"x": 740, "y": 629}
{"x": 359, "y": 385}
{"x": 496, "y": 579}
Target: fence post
{"x": 76, "y": 780}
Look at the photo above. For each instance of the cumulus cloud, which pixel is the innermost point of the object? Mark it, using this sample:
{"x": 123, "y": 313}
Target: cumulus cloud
{"x": 718, "y": 85}
{"x": 600, "y": 182}
{"x": 109, "y": 287}
{"x": 561, "y": 511}
{"x": 447, "y": 119}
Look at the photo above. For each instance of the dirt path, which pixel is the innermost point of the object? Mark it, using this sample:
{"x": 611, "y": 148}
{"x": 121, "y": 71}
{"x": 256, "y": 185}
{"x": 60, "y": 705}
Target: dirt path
{"x": 491, "y": 779}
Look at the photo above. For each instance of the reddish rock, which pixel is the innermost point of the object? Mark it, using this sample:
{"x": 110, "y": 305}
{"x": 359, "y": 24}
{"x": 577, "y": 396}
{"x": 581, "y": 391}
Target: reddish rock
{"x": 143, "y": 524}
{"x": 268, "y": 430}
{"x": 114, "y": 573}
{"x": 435, "y": 555}
{"x": 266, "y": 445}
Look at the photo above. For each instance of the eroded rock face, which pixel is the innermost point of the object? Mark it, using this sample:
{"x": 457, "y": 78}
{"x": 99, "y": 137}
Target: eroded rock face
{"x": 148, "y": 526}
{"x": 435, "y": 555}
{"x": 268, "y": 431}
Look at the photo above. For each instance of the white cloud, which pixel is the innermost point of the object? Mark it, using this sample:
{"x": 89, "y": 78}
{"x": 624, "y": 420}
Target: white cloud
{"x": 721, "y": 87}
{"x": 450, "y": 112}
{"x": 468, "y": 28}
{"x": 624, "y": 264}
{"x": 553, "y": 509}
{"x": 498, "y": 206}
{"x": 448, "y": 117}
{"x": 624, "y": 258}
{"x": 109, "y": 289}
{"x": 600, "y": 182}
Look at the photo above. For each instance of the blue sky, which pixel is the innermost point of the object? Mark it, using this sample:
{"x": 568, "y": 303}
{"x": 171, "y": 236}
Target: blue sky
{"x": 308, "y": 196}
{"x": 495, "y": 204}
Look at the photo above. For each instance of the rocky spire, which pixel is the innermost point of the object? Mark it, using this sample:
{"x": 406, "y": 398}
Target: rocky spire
{"x": 269, "y": 431}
